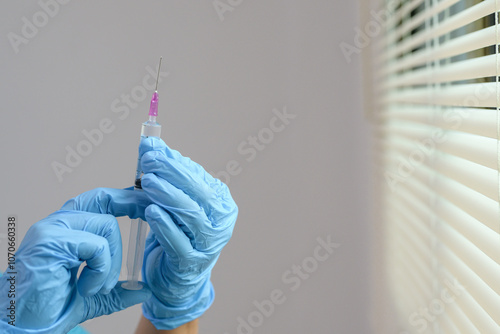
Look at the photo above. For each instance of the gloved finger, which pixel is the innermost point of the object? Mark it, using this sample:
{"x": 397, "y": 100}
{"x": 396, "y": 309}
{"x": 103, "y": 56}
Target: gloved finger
{"x": 117, "y": 202}
{"x": 163, "y": 193}
{"x": 210, "y": 193}
{"x": 106, "y": 228}
{"x": 151, "y": 239}
{"x": 95, "y": 250}
{"x": 118, "y": 299}
{"x": 172, "y": 239}
{"x": 183, "y": 178}
{"x": 183, "y": 173}
{"x": 187, "y": 214}
{"x": 157, "y": 144}
{"x": 205, "y": 234}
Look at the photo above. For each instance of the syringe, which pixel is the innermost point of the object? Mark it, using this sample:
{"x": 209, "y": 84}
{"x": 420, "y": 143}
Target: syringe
{"x": 138, "y": 227}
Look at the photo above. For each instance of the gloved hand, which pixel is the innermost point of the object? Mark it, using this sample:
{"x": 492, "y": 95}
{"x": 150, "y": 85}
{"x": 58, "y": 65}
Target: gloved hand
{"x": 191, "y": 220}
{"x": 49, "y": 297}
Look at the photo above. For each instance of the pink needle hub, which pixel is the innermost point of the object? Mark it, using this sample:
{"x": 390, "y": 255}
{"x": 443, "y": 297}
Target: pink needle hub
{"x": 153, "y": 108}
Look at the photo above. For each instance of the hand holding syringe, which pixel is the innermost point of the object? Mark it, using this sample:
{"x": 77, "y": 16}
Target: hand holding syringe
{"x": 138, "y": 227}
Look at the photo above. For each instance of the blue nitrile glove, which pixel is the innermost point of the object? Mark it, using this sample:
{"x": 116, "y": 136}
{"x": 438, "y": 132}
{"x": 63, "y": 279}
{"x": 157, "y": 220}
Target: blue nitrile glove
{"x": 49, "y": 297}
{"x": 191, "y": 220}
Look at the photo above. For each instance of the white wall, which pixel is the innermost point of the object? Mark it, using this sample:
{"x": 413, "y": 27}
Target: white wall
{"x": 225, "y": 78}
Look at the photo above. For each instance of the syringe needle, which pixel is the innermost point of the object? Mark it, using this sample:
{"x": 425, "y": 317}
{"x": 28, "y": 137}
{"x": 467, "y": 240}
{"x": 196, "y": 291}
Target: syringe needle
{"x": 158, "y": 75}
{"x": 153, "y": 107}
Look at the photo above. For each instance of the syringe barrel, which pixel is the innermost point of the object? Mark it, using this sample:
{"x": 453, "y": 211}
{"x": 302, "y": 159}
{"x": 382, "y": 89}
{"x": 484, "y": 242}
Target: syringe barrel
{"x": 136, "y": 244}
{"x": 149, "y": 129}
{"x": 138, "y": 227}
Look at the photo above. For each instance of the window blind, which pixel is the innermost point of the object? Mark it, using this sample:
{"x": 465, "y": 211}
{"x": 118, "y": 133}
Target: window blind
{"x": 434, "y": 99}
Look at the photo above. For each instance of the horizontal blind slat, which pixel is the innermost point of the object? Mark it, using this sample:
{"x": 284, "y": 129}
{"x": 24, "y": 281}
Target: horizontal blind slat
{"x": 437, "y": 137}
{"x": 483, "y": 292}
{"x": 407, "y": 266}
{"x": 419, "y": 19}
{"x": 472, "y": 309}
{"x": 454, "y": 22}
{"x": 422, "y": 254}
{"x": 460, "y": 320}
{"x": 461, "y": 261}
{"x": 456, "y": 46}
{"x": 480, "y": 235}
{"x": 394, "y": 19}
{"x": 446, "y": 325}
{"x": 478, "y": 149}
{"x": 481, "y": 241}
{"x": 474, "y": 68}
{"x": 402, "y": 287}
{"x": 482, "y": 179}
{"x": 482, "y": 208}
{"x": 483, "y": 237}
{"x": 476, "y": 121}
{"x": 463, "y": 95}
{"x": 473, "y": 175}
{"x": 483, "y": 267}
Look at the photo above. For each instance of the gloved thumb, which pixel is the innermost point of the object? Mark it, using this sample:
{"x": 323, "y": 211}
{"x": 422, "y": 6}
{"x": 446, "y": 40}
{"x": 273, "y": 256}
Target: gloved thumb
{"x": 118, "y": 299}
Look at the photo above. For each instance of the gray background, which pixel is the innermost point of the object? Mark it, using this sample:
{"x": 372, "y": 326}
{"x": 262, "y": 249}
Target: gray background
{"x": 225, "y": 78}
